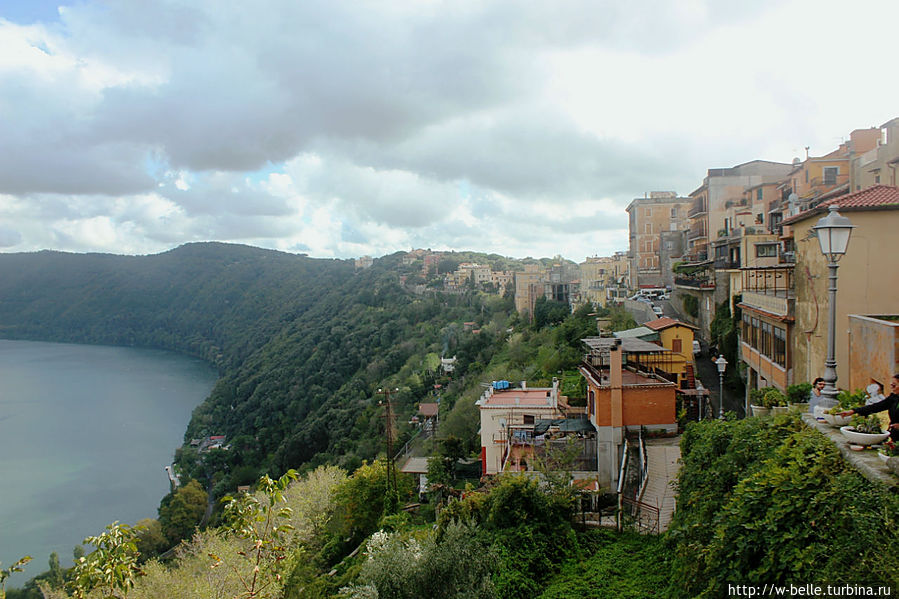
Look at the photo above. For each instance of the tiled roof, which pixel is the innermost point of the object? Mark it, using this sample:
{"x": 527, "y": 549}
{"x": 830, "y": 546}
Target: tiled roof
{"x": 665, "y": 322}
{"x": 878, "y": 196}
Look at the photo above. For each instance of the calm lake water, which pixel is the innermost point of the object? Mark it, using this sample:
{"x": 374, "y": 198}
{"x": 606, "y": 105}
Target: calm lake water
{"x": 85, "y": 432}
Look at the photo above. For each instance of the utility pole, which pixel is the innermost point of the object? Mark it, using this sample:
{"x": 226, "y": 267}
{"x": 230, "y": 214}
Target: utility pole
{"x": 391, "y": 496}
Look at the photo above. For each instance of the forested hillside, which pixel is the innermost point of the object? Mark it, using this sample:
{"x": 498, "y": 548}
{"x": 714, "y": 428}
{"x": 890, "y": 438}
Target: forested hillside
{"x": 302, "y": 344}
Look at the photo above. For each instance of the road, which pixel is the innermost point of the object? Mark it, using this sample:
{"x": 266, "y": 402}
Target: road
{"x": 707, "y": 371}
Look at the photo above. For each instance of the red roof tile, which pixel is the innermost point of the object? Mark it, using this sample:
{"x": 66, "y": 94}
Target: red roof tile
{"x": 878, "y": 196}
{"x": 664, "y": 323}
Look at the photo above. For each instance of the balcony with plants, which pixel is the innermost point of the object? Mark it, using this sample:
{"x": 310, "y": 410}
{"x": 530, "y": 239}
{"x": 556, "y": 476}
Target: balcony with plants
{"x": 694, "y": 275}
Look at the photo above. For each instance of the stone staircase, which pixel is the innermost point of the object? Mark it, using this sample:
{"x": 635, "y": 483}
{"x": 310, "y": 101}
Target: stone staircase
{"x": 663, "y": 464}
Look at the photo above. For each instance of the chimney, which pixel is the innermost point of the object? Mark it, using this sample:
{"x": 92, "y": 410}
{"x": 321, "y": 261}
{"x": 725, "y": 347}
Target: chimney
{"x": 524, "y": 385}
{"x": 615, "y": 381}
{"x": 554, "y": 396}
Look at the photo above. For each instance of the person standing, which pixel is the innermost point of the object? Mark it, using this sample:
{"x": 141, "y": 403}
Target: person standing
{"x": 815, "y": 395}
{"x": 890, "y": 404}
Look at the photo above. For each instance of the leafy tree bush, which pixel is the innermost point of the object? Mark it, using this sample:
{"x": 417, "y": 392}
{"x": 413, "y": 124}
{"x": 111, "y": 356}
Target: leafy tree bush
{"x": 181, "y": 511}
{"x": 772, "y": 501}
{"x": 691, "y": 305}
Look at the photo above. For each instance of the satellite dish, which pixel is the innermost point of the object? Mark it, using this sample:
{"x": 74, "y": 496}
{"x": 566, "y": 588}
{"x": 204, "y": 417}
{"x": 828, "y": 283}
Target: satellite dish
{"x": 502, "y": 423}
{"x": 796, "y": 161}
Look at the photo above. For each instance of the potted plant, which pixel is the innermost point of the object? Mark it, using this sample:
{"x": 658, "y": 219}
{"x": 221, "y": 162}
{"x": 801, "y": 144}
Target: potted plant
{"x": 798, "y": 395}
{"x": 864, "y": 430}
{"x": 756, "y": 397}
{"x": 833, "y": 418}
{"x": 775, "y": 401}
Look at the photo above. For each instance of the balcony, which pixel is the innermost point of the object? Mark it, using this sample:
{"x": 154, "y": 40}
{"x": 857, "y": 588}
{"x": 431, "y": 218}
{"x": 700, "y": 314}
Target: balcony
{"x": 697, "y": 209}
{"x": 694, "y": 282}
{"x": 770, "y": 289}
{"x": 697, "y": 231}
{"x": 726, "y": 263}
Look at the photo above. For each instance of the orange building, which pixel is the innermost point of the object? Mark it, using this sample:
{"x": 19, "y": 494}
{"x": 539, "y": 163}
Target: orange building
{"x": 624, "y": 392}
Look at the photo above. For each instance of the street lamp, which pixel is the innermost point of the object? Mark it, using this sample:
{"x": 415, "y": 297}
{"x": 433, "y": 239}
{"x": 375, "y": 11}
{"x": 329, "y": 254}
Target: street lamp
{"x": 721, "y": 363}
{"x": 833, "y": 233}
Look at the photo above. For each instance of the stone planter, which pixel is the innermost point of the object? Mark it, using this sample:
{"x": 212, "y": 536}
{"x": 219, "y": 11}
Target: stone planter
{"x": 780, "y": 410}
{"x": 836, "y": 420}
{"x": 759, "y": 410}
{"x": 862, "y": 438}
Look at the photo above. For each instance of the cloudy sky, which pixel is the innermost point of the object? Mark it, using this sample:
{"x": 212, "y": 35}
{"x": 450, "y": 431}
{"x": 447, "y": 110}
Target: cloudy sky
{"x": 341, "y": 128}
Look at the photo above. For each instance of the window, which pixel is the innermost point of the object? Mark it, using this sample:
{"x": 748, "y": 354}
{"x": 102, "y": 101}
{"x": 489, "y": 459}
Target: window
{"x": 647, "y": 212}
{"x": 765, "y": 342}
{"x": 529, "y": 419}
{"x": 754, "y": 333}
{"x": 766, "y": 250}
{"x": 758, "y": 194}
{"x": 830, "y": 175}
{"x": 746, "y": 327}
{"x": 647, "y": 228}
{"x": 674, "y": 212}
{"x": 780, "y": 347}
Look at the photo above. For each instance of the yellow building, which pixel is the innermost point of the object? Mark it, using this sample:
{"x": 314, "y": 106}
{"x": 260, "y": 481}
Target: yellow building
{"x": 677, "y": 337}
{"x": 868, "y": 276}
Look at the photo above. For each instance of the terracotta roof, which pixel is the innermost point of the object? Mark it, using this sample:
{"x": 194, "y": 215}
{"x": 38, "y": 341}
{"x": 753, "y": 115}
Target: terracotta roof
{"x": 666, "y": 322}
{"x": 878, "y": 196}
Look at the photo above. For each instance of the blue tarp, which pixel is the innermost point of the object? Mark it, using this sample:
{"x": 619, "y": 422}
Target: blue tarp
{"x": 500, "y": 385}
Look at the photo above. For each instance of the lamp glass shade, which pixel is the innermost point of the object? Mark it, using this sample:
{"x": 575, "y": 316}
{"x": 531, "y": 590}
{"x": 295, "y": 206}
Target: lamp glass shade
{"x": 721, "y": 363}
{"x": 833, "y": 233}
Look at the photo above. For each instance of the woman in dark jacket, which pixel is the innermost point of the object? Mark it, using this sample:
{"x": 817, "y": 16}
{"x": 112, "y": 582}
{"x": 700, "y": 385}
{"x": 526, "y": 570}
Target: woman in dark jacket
{"x": 890, "y": 403}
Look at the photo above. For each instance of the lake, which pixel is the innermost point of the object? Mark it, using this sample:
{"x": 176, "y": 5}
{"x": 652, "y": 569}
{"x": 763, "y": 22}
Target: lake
{"x": 85, "y": 434}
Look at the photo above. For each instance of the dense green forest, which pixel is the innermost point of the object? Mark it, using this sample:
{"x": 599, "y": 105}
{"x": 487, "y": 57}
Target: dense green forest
{"x": 302, "y": 344}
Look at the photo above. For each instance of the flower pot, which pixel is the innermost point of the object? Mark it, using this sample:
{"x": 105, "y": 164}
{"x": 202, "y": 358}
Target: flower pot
{"x": 779, "y": 409}
{"x": 836, "y": 420}
{"x": 799, "y": 407}
{"x": 759, "y": 410}
{"x": 862, "y": 438}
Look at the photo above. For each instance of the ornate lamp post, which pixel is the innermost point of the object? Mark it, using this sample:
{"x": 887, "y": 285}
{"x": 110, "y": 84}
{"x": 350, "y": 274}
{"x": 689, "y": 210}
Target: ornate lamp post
{"x": 833, "y": 233}
{"x": 721, "y": 363}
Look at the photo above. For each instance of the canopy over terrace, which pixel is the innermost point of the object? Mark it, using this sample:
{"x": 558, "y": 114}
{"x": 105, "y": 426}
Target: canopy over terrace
{"x": 639, "y": 356}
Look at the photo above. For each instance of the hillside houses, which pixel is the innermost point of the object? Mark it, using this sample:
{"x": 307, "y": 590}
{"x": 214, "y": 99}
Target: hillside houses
{"x": 748, "y": 242}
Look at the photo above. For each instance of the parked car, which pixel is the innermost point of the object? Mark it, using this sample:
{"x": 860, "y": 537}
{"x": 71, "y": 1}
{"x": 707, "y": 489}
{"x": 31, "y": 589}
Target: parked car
{"x": 657, "y": 311}
{"x": 697, "y": 349}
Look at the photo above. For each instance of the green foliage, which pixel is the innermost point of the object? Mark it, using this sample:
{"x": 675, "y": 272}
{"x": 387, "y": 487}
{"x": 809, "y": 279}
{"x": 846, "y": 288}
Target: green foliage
{"x": 866, "y": 424}
{"x": 724, "y": 334}
{"x": 619, "y": 566}
{"x": 530, "y": 530}
{"x": 691, "y": 305}
{"x": 549, "y": 312}
{"x": 358, "y": 503}
{"x": 7, "y": 572}
{"x": 181, "y": 511}
{"x": 411, "y": 566}
{"x": 112, "y": 567}
{"x": 772, "y": 501}
{"x": 442, "y": 464}
{"x": 799, "y": 393}
{"x": 773, "y": 397}
{"x": 149, "y": 538}
{"x": 261, "y": 519}
{"x": 851, "y": 399}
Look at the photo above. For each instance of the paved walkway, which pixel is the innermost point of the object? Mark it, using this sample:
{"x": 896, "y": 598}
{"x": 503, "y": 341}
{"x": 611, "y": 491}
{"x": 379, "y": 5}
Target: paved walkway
{"x": 663, "y": 462}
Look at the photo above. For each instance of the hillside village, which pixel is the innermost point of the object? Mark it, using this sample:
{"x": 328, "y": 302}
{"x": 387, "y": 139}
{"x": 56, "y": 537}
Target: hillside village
{"x": 727, "y": 276}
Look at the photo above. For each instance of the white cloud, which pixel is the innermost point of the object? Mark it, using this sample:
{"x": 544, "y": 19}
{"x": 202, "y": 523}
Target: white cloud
{"x": 340, "y": 128}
